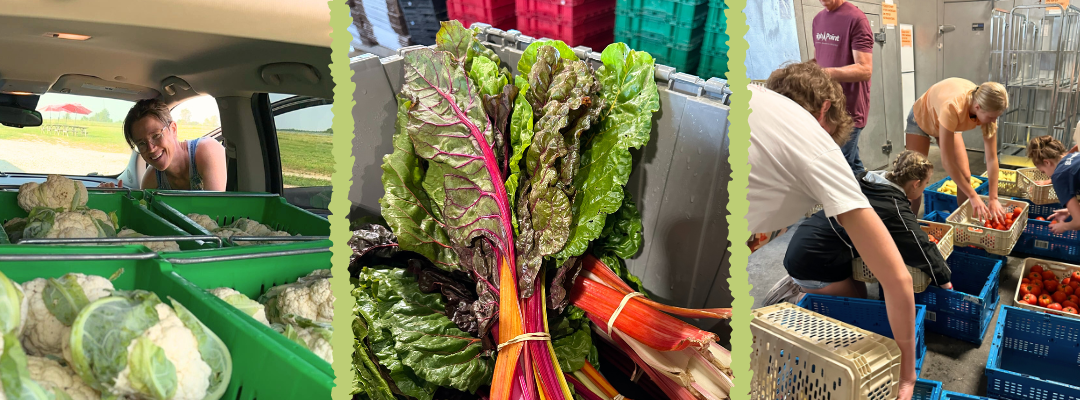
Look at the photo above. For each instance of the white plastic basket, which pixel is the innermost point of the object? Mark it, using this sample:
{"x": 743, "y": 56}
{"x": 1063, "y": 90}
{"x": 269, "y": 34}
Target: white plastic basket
{"x": 970, "y": 232}
{"x": 800, "y": 354}
{"x": 1038, "y": 194}
{"x": 1009, "y": 184}
{"x": 919, "y": 279}
{"x": 1060, "y": 269}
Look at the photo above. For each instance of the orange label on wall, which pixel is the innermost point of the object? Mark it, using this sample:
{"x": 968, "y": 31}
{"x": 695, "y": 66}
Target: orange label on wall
{"x": 888, "y": 13}
{"x": 1063, "y": 3}
{"x": 905, "y": 38}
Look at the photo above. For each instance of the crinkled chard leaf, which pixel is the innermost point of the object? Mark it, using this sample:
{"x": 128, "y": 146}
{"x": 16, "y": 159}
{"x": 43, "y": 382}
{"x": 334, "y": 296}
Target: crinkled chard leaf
{"x": 371, "y": 243}
{"x": 381, "y": 343}
{"x": 562, "y": 284}
{"x": 630, "y": 97}
{"x": 457, "y": 289}
{"x": 528, "y": 57}
{"x": 367, "y": 376}
{"x": 571, "y": 337}
{"x": 562, "y": 93}
{"x": 461, "y": 42}
{"x": 498, "y": 107}
{"x": 521, "y": 136}
{"x": 622, "y": 233}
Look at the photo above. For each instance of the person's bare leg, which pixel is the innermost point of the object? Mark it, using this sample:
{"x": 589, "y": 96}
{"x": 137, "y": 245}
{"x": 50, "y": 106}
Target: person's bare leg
{"x": 845, "y": 288}
{"x": 918, "y": 143}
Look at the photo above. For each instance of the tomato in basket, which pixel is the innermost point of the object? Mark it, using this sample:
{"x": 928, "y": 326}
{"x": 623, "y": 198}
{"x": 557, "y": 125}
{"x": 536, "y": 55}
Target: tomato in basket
{"x": 1074, "y": 299}
{"x": 1070, "y": 310}
{"x": 1045, "y": 299}
{"x": 1016, "y": 212}
{"x": 1030, "y": 299}
{"x": 1050, "y": 285}
{"x": 1069, "y": 290}
{"x": 1040, "y": 219}
{"x": 1075, "y": 284}
{"x": 1037, "y": 283}
{"x": 1059, "y": 296}
{"x": 1049, "y": 275}
{"x": 1067, "y": 303}
{"x": 1035, "y": 276}
{"x": 1065, "y": 282}
{"x": 1037, "y": 268}
{"x": 1054, "y": 306}
{"x": 1075, "y": 275}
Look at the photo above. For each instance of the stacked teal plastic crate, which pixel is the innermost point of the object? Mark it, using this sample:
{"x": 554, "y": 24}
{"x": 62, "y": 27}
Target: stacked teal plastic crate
{"x": 714, "y": 51}
{"x": 672, "y": 31}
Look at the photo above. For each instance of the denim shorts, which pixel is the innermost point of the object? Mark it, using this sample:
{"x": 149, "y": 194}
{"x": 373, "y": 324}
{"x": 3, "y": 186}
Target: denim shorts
{"x": 912, "y": 127}
{"x": 812, "y": 285}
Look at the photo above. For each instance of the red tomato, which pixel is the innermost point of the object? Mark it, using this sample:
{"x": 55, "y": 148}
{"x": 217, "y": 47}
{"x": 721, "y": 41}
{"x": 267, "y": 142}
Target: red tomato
{"x": 1050, "y": 285}
{"x": 1040, "y": 219}
{"x": 1037, "y": 268}
{"x": 1067, "y": 303}
{"x": 1049, "y": 275}
{"x": 1037, "y": 283}
{"x": 1066, "y": 281}
{"x": 1069, "y": 290}
{"x": 1025, "y": 281}
{"x": 1075, "y": 284}
{"x": 1070, "y": 310}
{"x": 1030, "y": 288}
{"x": 1074, "y": 299}
{"x": 1035, "y": 276}
{"x": 1045, "y": 299}
{"x": 1075, "y": 275}
{"x": 1016, "y": 212}
{"x": 1054, "y": 306}
{"x": 1059, "y": 297}
{"x": 1030, "y": 299}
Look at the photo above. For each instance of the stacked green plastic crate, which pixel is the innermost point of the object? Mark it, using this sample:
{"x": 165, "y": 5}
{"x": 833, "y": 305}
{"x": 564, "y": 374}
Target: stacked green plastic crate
{"x": 672, "y": 31}
{"x": 714, "y": 58}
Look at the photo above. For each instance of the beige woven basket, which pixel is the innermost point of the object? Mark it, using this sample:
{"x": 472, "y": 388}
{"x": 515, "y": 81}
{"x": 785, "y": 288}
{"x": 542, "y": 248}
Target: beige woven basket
{"x": 1038, "y": 194}
{"x": 969, "y": 232}
{"x": 1009, "y": 184}
{"x": 800, "y": 354}
{"x": 919, "y": 279}
{"x": 1062, "y": 270}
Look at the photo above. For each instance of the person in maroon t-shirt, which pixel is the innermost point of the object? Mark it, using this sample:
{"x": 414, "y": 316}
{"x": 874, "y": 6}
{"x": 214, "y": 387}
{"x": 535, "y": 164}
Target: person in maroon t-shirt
{"x": 844, "y": 46}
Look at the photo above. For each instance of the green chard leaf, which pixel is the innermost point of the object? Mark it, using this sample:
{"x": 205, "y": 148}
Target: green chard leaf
{"x": 485, "y": 73}
{"x": 461, "y": 42}
{"x": 426, "y": 342}
{"x": 572, "y": 339}
{"x": 367, "y": 376}
{"x": 630, "y": 98}
{"x": 622, "y": 233}
{"x": 619, "y": 267}
{"x": 529, "y": 56}
{"x": 521, "y": 135}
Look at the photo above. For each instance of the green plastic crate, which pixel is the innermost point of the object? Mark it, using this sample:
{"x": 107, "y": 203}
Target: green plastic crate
{"x": 128, "y": 212}
{"x": 262, "y": 368}
{"x": 684, "y": 58}
{"x": 717, "y": 20}
{"x": 716, "y": 43}
{"x": 253, "y": 272}
{"x": 225, "y": 208}
{"x": 713, "y": 66}
{"x": 660, "y": 29}
{"x": 683, "y": 12}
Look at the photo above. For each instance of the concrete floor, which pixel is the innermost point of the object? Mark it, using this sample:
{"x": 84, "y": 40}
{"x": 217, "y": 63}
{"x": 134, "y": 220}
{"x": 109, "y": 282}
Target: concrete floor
{"x": 957, "y": 364}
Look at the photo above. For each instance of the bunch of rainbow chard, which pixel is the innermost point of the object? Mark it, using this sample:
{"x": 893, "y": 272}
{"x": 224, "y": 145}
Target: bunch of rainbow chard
{"x": 498, "y": 189}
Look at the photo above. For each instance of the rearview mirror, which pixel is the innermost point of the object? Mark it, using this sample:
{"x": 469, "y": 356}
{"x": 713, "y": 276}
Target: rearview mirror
{"x": 19, "y": 117}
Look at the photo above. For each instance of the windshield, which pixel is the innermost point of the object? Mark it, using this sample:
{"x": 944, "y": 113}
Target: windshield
{"x": 80, "y": 135}
{"x": 83, "y": 135}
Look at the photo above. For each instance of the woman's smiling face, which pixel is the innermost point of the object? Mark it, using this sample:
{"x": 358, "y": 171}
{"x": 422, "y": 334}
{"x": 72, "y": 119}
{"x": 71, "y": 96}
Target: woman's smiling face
{"x": 153, "y": 140}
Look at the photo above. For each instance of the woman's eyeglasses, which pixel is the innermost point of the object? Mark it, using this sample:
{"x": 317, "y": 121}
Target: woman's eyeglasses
{"x": 155, "y": 139}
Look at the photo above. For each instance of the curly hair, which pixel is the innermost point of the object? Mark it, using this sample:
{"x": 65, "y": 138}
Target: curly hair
{"x": 1044, "y": 148}
{"x": 808, "y": 85}
{"x": 142, "y": 109}
{"x": 909, "y": 166}
{"x": 991, "y": 97}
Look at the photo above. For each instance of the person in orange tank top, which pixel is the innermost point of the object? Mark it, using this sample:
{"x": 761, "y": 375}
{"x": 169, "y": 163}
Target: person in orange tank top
{"x": 944, "y": 112}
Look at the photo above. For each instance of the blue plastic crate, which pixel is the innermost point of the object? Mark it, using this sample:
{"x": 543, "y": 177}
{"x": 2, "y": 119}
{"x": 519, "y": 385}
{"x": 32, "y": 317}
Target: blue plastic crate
{"x": 947, "y": 395}
{"x": 926, "y": 390}
{"x": 1037, "y": 239}
{"x": 869, "y": 315}
{"x": 1034, "y": 356}
{"x": 964, "y": 312}
{"x": 981, "y": 253}
{"x": 936, "y": 216}
{"x": 933, "y": 200}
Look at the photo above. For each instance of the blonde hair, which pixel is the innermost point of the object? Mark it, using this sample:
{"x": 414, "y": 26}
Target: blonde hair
{"x": 991, "y": 97}
{"x": 1044, "y": 148}
{"x": 909, "y": 166}
{"x": 809, "y": 86}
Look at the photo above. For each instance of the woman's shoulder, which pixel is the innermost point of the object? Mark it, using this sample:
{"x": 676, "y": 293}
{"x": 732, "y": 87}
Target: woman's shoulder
{"x": 207, "y": 147}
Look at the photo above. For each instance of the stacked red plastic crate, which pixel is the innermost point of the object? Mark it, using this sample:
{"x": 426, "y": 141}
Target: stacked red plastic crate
{"x": 497, "y": 13}
{"x": 577, "y": 22}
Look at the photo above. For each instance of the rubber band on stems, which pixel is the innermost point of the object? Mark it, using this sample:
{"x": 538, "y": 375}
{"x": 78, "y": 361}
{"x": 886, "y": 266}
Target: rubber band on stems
{"x": 525, "y": 337}
{"x": 622, "y": 304}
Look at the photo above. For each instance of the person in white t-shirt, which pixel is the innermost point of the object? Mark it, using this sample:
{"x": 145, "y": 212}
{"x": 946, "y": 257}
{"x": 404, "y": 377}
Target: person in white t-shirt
{"x": 796, "y": 128}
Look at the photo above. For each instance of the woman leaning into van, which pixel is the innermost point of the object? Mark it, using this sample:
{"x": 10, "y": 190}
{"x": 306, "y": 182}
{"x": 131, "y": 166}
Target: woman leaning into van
{"x": 944, "y": 112}
{"x": 197, "y": 164}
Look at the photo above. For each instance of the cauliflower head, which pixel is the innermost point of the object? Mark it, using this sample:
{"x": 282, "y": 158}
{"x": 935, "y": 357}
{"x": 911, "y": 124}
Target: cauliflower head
{"x": 242, "y": 303}
{"x": 205, "y": 221}
{"x": 53, "y": 376}
{"x": 309, "y": 297}
{"x": 56, "y": 192}
{"x": 251, "y": 227}
{"x": 44, "y": 333}
{"x": 170, "y": 354}
{"x": 159, "y": 247}
{"x": 312, "y": 335}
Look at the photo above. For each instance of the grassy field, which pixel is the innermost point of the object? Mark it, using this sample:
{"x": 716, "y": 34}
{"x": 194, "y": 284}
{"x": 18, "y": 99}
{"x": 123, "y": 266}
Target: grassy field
{"x": 306, "y": 158}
